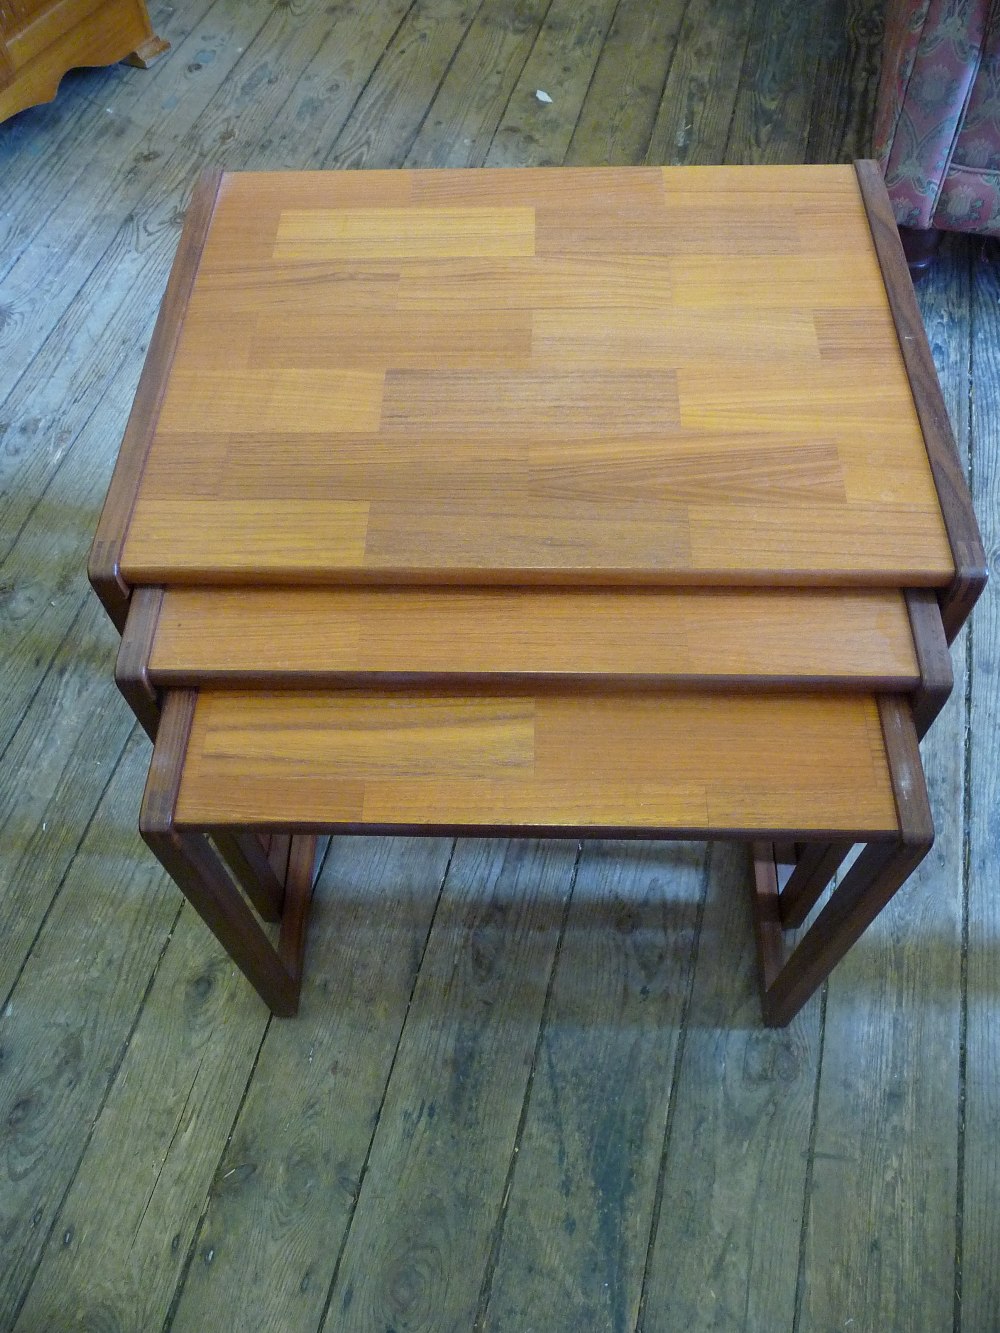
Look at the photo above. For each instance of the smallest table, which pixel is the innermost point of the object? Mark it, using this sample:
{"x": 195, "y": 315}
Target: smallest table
{"x": 677, "y": 765}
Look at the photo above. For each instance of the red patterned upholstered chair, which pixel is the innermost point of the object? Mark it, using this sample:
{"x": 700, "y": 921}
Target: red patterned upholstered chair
{"x": 937, "y": 123}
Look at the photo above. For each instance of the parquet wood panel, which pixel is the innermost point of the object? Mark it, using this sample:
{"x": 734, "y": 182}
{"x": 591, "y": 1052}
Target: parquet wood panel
{"x": 642, "y": 459}
{"x": 225, "y": 635}
{"x": 553, "y": 761}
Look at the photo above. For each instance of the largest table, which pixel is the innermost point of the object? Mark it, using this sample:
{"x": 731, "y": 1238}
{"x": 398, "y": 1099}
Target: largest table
{"x": 626, "y": 382}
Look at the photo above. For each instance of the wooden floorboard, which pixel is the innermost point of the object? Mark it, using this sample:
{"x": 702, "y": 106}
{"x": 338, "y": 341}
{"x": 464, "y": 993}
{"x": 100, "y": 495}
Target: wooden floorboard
{"x": 978, "y": 1293}
{"x": 545, "y": 1100}
{"x": 895, "y": 1008}
{"x": 576, "y": 1222}
{"x": 736, "y": 1152}
{"x": 280, "y": 1203}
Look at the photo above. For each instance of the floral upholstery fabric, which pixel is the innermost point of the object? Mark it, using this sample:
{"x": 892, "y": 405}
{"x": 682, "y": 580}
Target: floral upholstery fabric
{"x": 937, "y": 122}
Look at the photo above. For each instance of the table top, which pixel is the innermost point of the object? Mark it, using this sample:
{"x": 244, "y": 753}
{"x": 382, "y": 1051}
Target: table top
{"x": 670, "y": 763}
{"x": 605, "y": 638}
{"x": 595, "y": 376}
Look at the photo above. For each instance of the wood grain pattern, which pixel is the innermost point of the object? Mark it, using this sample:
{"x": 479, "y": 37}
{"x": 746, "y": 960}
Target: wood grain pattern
{"x": 313, "y": 637}
{"x": 534, "y": 426}
{"x": 628, "y": 762}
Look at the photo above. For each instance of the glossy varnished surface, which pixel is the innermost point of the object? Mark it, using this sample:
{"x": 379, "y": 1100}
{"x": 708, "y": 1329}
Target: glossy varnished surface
{"x": 321, "y": 634}
{"x": 642, "y": 375}
{"x": 676, "y": 762}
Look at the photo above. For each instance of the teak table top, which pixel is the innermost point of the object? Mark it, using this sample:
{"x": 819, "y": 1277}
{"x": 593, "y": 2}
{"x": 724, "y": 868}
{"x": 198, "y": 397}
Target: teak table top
{"x": 669, "y": 763}
{"x": 599, "y": 376}
{"x": 616, "y": 637}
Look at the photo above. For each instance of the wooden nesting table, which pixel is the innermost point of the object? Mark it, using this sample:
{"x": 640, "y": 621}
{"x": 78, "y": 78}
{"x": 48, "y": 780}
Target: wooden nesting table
{"x": 572, "y": 502}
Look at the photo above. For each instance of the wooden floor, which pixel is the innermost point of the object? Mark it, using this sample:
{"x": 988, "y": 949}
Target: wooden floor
{"x": 529, "y": 1088}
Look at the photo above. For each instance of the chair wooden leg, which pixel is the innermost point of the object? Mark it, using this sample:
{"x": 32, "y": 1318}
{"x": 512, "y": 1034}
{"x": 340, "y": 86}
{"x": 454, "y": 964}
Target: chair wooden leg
{"x": 199, "y": 872}
{"x": 866, "y": 888}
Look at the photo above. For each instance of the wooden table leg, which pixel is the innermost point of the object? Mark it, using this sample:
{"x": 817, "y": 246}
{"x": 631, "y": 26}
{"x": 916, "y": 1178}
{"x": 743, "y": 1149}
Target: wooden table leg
{"x": 199, "y": 872}
{"x": 874, "y": 877}
{"x": 866, "y": 888}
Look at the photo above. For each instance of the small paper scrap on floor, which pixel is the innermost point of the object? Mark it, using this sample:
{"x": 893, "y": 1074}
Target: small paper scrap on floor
{"x": 542, "y": 95}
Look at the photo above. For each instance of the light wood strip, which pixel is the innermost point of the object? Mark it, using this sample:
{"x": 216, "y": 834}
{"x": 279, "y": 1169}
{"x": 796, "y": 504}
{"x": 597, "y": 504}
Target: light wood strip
{"x": 294, "y": 399}
{"x": 224, "y": 635}
{"x": 404, "y": 233}
{"x": 554, "y": 761}
{"x": 229, "y": 534}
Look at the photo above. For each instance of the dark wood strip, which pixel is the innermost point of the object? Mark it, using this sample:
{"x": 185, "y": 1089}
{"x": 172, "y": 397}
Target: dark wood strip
{"x": 815, "y": 868}
{"x": 245, "y": 856}
{"x": 933, "y": 658}
{"x": 869, "y": 884}
{"x": 159, "y": 800}
{"x": 916, "y": 824}
{"x": 298, "y": 896}
{"x": 132, "y": 666}
{"x": 767, "y": 924}
{"x": 960, "y": 523}
{"x": 104, "y": 569}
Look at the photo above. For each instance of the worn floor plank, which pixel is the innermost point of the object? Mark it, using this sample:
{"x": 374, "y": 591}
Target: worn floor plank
{"x": 699, "y": 97}
{"x": 771, "y": 116}
{"x": 62, "y": 755}
{"x": 67, "y": 1022}
{"x": 536, "y": 133}
{"x": 417, "y": 1252}
{"x": 474, "y": 94}
{"x": 581, "y": 1198}
{"x": 617, "y": 117}
{"x": 891, "y": 1046}
{"x": 281, "y": 1202}
{"x": 725, "y": 1250}
{"x": 980, "y": 1198}
{"x": 387, "y": 118}
{"x": 122, "y": 1237}
{"x": 841, "y": 119}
